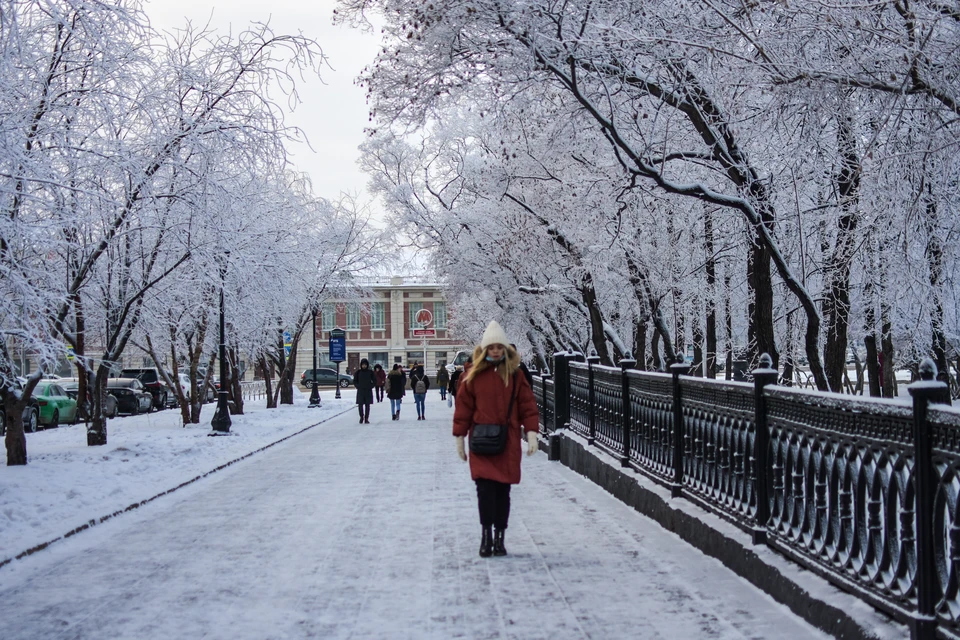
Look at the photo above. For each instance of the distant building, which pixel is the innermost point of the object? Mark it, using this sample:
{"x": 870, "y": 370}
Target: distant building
{"x": 384, "y": 328}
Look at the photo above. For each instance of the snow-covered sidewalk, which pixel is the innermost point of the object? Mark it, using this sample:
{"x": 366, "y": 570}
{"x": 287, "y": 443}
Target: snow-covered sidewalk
{"x": 370, "y": 531}
{"x": 66, "y": 484}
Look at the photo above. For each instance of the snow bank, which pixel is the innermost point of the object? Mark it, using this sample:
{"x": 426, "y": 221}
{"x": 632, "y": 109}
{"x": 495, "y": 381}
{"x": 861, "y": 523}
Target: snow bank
{"x": 66, "y": 484}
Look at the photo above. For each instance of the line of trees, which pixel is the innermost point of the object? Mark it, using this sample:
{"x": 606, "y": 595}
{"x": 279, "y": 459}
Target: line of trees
{"x": 651, "y": 175}
{"x": 140, "y": 173}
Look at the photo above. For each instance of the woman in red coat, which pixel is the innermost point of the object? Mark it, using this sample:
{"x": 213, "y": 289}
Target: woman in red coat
{"x": 483, "y": 397}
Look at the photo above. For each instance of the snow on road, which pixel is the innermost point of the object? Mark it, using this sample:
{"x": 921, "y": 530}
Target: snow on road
{"x": 370, "y": 531}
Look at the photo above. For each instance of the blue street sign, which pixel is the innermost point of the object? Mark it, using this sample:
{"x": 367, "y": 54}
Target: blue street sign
{"x": 338, "y": 345}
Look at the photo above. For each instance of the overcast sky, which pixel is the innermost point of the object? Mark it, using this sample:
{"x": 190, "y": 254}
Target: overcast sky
{"x": 334, "y": 112}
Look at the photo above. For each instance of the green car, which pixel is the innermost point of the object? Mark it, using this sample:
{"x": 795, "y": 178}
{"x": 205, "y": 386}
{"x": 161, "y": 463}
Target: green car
{"x": 55, "y": 405}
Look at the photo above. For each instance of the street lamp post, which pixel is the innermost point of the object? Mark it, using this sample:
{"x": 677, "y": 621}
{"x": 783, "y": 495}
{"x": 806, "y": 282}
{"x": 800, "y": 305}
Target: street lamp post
{"x": 221, "y": 418}
{"x": 314, "y": 394}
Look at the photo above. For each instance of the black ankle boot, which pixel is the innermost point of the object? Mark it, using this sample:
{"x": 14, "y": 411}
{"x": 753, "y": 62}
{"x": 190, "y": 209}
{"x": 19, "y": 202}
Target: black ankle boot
{"x": 486, "y": 543}
{"x": 498, "y": 548}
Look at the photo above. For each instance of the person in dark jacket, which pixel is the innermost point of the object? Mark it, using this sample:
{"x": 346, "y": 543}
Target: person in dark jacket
{"x": 364, "y": 380}
{"x": 381, "y": 377}
{"x": 396, "y": 382}
{"x": 484, "y": 397}
{"x": 418, "y": 376}
{"x": 523, "y": 367}
{"x": 443, "y": 379}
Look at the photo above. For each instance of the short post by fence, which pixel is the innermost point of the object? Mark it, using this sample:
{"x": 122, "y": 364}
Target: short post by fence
{"x": 592, "y": 360}
{"x": 924, "y": 393}
{"x": 677, "y": 370}
{"x": 561, "y": 389}
{"x": 544, "y": 377}
{"x": 626, "y": 363}
{"x": 763, "y": 376}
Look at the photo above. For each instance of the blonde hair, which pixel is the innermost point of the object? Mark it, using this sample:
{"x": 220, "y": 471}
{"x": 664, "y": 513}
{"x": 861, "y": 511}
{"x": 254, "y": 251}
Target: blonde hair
{"x": 510, "y": 364}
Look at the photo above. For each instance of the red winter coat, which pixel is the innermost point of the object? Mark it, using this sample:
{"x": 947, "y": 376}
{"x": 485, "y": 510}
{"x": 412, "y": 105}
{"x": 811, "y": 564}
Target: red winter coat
{"x": 484, "y": 401}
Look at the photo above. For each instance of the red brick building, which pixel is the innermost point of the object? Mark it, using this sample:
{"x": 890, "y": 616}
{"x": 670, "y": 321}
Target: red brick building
{"x": 381, "y": 328}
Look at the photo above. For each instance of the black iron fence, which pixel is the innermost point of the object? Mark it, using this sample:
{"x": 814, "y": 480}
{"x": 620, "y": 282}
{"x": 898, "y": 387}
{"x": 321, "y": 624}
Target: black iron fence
{"x": 862, "y": 491}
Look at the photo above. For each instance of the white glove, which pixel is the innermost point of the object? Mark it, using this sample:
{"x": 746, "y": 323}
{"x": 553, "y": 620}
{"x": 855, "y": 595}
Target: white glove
{"x": 461, "y": 450}
{"x": 532, "y": 443}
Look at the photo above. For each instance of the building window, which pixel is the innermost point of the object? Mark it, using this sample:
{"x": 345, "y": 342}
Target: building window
{"x": 414, "y": 307}
{"x": 439, "y": 315}
{"x": 378, "y": 357}
{"x": 378, "y": 317}
{"x": 353, "y": 316}
{"x": 415, "y": 357}
{"x": 328, "y": 317}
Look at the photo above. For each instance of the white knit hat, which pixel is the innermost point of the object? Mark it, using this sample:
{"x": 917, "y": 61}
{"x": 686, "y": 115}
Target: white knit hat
{"x": 494, "y": 334}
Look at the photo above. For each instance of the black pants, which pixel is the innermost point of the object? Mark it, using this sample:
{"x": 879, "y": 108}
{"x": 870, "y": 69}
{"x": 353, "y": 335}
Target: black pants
{"x": 364, "y": 410}
{"x": 493, "y": 499}
{"x": 379, "y": 394}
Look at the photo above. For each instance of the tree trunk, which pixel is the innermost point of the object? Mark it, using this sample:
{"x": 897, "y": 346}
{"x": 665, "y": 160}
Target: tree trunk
{"x": 15, "y": 441}
{"x": 869, "y": 325}
{"x": 655, "y": 350}
{"x": 886, "y": 348}
{"x": 728, "y": 326}
{"x": 711, "y": 316}
{"x": 934, "y": 255}
{"x": 236, "y": 389}
{"x": 267, "y": 367}
{"x": 837, "y": 295}
{"x": 597, "y": 335}
{"x": 97, "y": 429}
{"x": 640, "y": 343}
{"x": 696, "y": 368}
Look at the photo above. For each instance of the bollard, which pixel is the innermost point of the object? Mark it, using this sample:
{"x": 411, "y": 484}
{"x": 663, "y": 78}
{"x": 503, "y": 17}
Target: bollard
{"x": 554, "y": 442}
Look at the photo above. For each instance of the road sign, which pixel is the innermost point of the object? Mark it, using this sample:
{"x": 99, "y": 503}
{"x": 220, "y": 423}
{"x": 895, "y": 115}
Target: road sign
{"x": 338, "y": 345}
{"x": 423, "y": 317}
{"x": 71, "y": 356}
{"x": 425, "y": 333}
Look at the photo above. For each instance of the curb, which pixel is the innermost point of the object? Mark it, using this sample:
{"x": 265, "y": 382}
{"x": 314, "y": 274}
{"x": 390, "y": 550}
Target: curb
{"x": 810, "y": 597}
{"x": 136, "y": 505}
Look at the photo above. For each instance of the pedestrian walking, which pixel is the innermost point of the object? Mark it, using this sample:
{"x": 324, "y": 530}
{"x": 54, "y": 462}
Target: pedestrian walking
{"x": 497, "y": 410}
{"x": 455, "y": 380}
{"x": 523, "y": 367}
{"x": 364, "y": 380}
{"x": 381, "y": 377}
{"x": 396, "y": 383}
{"x": 443, "y": 379}
{"x": 420, "y": 384}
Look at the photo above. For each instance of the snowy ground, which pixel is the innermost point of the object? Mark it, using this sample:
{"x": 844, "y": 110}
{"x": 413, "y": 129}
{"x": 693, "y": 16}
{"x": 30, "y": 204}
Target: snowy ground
{"x": 350, "y": 531}
{"x": 66, "y": 483}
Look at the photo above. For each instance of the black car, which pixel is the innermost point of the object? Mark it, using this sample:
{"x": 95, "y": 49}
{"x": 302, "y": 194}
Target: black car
{"x": 31, "y": 414}
{"x": 72, "y": 385}
{"x": 152, "y": 381}
{"x": 324, "y": 377}
{"x": 130, "y": 394}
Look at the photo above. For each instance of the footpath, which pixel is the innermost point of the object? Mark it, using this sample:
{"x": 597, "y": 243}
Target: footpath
{"x": 370, "y": 531}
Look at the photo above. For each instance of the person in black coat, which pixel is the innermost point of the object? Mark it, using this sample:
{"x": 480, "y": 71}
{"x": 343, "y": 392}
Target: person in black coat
{"x": 396, "y": 383}
{"x": 364, "y": 380}
{"x": 523, "y": 367}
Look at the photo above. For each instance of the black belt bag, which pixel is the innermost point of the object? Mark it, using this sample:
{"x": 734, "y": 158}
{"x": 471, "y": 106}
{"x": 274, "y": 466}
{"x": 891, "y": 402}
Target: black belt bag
{"x": 491, "y": 439}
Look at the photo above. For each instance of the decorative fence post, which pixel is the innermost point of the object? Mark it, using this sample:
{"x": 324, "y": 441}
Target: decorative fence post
{"x": 763, "y": 376}
{"x": 592, "y": 360}
{"x": 561, "y": 389}
{"x": 676, "y": 370}
{"x": 626, "y": 364}
{"x": 544, "y": 377}
{"x": 926, "y": 392}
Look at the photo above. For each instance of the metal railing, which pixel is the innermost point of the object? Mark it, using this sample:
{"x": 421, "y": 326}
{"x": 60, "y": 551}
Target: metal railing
{"x": 862, "y": 491}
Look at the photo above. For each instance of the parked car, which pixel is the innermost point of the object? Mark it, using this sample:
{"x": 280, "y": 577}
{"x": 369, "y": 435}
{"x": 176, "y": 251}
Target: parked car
{"x": 152, "y": 381}
{"x": 72, "y": 385}
{"x": 31, "y": 414}
{"x": 55, "y": 405}
{"x": 325, "y": 377}
{"x": 131, "y": 396}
